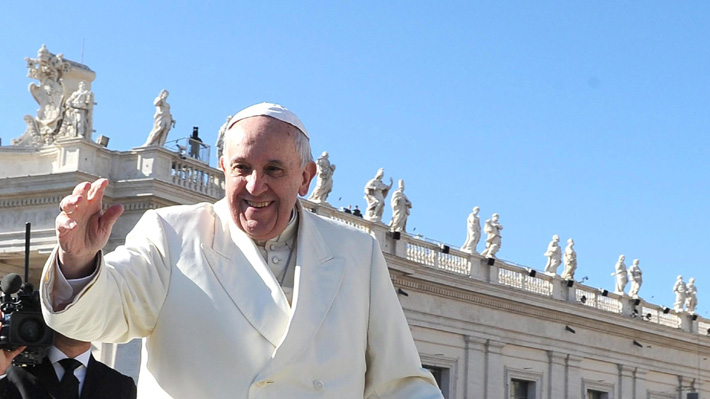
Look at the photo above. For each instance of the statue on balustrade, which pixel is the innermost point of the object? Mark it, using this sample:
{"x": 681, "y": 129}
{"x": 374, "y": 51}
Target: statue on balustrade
{"x": 636, "y": 278}
{"x": 220, "y": 137}
{"x": 493, "y": 241}
{"x": 162, "y": 121}
{"x": 48, "y": 69}
{"x": 570, "y": 259}
{"x": 554, "y": 256}
{"x": 77, "y": 117}
{"x": 691, "y": 296}
{"x": 375, "y": 193}
{"x": 622, "y": 277}
{"x": 324, "y": 180}
{"x": 400, "y": 209}
{"x": 473, "y": 231}
{"x": 679, "y": 290}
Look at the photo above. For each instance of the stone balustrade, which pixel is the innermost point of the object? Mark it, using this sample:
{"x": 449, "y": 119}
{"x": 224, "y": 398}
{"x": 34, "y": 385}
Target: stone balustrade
{"x": 467, "y": 265}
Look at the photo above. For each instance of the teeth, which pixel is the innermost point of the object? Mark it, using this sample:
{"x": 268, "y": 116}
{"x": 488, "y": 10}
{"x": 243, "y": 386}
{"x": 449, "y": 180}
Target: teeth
{"x": 258, "y": 204}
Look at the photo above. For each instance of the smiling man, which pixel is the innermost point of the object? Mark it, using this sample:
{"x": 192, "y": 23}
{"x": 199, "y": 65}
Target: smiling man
{"x": 249, "y": 297}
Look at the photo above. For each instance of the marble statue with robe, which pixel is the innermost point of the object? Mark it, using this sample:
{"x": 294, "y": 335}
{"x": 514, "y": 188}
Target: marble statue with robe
{"x": 77, "y": 118}
{"x": 400, "y": 209}
{"x": 324, "y": 179}
{"x": 554, "y": 256}
{"x": 162, "y": 121}
{"x": 570, "y": 260}
{"x": 636, "y": 278}
{"x": 621, "y": 274}
{"x": 473, "y": 231}
{"x": 493, "y": 241}
{"x": 691, "y": 296}
{"x": 375, "y": 193}
{"x": 220, "y": 137}
{"x": 679, "y": 290}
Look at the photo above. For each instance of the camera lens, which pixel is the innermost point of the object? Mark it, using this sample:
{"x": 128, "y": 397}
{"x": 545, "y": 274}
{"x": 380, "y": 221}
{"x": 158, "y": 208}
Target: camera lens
{"x": 31, "y": 330}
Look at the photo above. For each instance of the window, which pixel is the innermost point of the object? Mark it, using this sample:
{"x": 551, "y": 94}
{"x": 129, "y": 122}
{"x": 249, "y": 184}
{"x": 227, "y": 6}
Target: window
{"x": 441, "y": 375}
{"x": 522, "y": 389}
{"x": 592, "y": 394}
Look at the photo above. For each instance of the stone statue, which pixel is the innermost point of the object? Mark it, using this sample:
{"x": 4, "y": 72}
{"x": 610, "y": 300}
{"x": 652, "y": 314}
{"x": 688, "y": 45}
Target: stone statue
{"x": 636, "y": 278}
{"x": 375, "y": 193}
{"x": 679, "y": 290}
{"x": 324, "y": 181}
{"x": 554, "y": 256}
{"x": 77, "y": 118}
{"x": 48, "y": 69}
{"x": 473, "y": 232}
{"x": 691, "y": 296}
{"x": 163, "y": 121}
{"x": 570, "y": 259}
{"x": 493, "y": 241}
{"x": 220, "y": 137}
{"x": 622, "y": 277}
{"x": 400, "y": 209}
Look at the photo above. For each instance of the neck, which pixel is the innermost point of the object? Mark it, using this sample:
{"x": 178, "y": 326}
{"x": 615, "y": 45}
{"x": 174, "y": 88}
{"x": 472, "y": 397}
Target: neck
{"x": 70, "y": 347}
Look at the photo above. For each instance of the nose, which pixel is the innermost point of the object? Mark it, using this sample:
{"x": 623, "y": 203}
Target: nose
{"x": 256, "y": 183}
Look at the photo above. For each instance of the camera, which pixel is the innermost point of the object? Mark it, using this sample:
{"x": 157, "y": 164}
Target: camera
{"x": 22, "y": 321}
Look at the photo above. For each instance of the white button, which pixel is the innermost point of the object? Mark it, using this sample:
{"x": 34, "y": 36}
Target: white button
{"x": 272, "y": 247}
{"x": 318, "y": 384}
{"x": 275, "y": 260}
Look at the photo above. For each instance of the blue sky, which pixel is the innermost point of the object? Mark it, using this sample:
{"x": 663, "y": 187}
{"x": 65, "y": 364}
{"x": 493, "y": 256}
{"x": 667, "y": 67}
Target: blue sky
{"x": 584, "y": 119}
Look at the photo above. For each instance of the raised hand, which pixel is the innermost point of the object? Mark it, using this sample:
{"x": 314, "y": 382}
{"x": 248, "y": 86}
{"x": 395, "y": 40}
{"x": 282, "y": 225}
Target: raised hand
{"x": 82, "y": 228}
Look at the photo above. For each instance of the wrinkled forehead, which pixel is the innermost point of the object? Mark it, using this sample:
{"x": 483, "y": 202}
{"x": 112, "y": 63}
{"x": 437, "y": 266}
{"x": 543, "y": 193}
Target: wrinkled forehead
{"x": 263, "y": 132}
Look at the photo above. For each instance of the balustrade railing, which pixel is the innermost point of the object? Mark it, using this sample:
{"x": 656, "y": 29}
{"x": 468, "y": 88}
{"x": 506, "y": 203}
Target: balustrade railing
{"x": 197, "y": 177}
{"x": 438, "y": 256}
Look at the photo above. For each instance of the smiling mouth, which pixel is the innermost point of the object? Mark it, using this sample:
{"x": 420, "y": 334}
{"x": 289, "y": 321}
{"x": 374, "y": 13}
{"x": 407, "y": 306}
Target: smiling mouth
{"x": 255, "y": 204}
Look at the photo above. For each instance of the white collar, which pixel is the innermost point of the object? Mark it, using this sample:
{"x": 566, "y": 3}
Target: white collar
{"x": 56, "y": 355}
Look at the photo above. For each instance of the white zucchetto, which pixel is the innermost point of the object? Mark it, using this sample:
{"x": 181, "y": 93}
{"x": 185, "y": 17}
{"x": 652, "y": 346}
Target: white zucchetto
{"x": 269, "y": 109}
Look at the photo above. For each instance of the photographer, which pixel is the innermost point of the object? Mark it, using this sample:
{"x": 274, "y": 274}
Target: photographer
{"x": 69, "y": 371}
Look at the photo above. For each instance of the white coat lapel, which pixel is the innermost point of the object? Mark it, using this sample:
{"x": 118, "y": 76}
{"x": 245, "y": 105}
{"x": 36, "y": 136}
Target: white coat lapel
{"x": 317, "y": 282}
{"x": 242, "y": 272}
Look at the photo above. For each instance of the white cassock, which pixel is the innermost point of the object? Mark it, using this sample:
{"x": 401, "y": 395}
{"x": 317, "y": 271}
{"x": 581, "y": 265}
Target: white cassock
{"x": 218, "y": 325}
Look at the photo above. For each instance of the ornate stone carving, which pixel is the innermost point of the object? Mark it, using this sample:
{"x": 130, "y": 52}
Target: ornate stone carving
{"x": 56, "y": 115}
{"x": 493, "y": 241}
{"x": 162, "y": 121}
{"x": 622, "y": 277}
{"x": 691, "y": 296}
{"x": 679, "y": 290}
{"x": 220, "y": 137}
{"x": 636, "y": 278}
{"x": 400, "y": 209}
{"x": 375, "y": 193}
{"x": 570, "y": 259}
{"x": 324, "y": 180}
{"x": 554, "y": 256}
{"x": 473, "y": 231}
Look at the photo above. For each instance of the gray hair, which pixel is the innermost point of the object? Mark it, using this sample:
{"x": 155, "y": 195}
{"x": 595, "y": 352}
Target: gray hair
{"x": 303, "y": 147}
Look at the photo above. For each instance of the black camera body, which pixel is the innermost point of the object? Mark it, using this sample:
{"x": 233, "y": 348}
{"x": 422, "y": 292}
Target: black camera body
{"x": 22, "y": 322}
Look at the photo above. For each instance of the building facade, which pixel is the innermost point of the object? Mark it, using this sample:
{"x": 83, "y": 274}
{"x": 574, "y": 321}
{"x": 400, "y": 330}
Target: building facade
{"x": 485, "y": 330}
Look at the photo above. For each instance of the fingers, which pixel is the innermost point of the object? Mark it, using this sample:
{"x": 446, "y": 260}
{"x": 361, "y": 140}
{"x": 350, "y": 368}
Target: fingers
{"x": 110, "y": 216}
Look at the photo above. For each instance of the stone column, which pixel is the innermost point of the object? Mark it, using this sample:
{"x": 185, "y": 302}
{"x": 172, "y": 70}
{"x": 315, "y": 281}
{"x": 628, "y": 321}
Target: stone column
{"x": 626, "y": 381}
{"x": 494, "y": 376}
{"x": 492, "y": 271}
{"x": 573, "y": 378}
{"x": 557, "y": 290}
{"x": 474, "y": 367}
{"x": 640, "y": 383}
{"x": 556, "y": 384}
